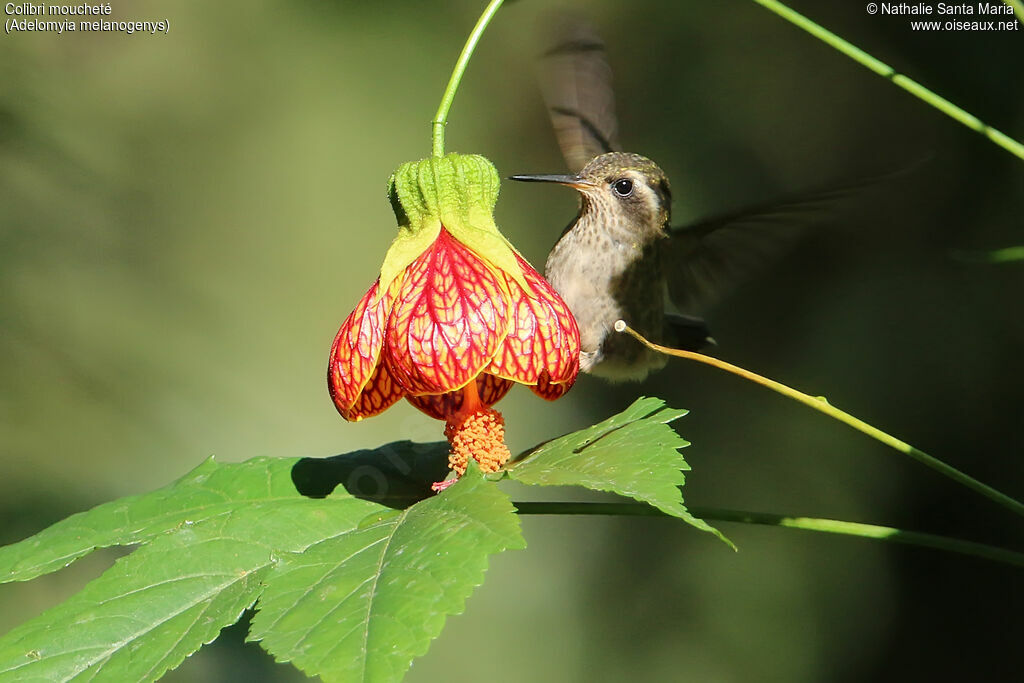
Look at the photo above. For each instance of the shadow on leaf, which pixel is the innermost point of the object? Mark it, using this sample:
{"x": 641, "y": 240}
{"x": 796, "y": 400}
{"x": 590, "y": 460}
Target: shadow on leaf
{"x": 397, "y": 474}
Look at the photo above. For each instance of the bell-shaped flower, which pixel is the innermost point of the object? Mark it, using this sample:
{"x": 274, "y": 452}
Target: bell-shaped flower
{"x": 455, "y": 318}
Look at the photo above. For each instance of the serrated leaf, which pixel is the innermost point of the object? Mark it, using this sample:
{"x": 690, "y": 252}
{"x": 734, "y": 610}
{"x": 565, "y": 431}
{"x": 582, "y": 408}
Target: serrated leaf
{"x": 210, "y": 541}
{"x": 634, "y": 454}
{"x": 361, "y": 606}
{"x": 161, "y": 603}
{"x": 351, "y": 581}
{"x": 211, "y": 490}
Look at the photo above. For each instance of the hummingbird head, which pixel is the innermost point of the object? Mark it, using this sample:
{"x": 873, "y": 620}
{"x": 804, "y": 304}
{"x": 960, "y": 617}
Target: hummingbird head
{"x": 628, "y": 189}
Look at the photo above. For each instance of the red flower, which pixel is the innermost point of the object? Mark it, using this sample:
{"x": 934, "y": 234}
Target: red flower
{"x": 455, "y": 318}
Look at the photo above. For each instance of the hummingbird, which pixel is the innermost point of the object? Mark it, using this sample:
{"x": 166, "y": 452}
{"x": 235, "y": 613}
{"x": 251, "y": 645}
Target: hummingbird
{"x": 610, "y": 264}
{"x": 620, "y": 258}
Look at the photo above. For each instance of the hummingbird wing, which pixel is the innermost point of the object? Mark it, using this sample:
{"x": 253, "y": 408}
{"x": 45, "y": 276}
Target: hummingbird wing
{"x": 687, "y": 332}
{"x": 703, "y": 261}
{"x": 576, "y": 82}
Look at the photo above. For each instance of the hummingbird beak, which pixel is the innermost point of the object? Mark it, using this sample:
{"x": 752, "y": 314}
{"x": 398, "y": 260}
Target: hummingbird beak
{"x": 573, "y": 181}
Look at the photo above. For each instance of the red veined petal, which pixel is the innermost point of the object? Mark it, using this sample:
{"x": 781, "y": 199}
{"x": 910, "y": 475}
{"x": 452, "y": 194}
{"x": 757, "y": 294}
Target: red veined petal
{"x": 542, "y": 348}
{"x": 358, "y": 383}
{"x": 438, "y": 406}
{"x": 379, "y": 394}
{"x": 442, "y": 406}
{"x": 548, "y": 390}
{"x": 492, "y": 389}
{"x": 448, "y": 320}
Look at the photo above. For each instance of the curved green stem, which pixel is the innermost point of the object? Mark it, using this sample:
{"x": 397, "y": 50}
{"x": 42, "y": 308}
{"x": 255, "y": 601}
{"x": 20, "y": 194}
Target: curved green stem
{"x": 829, "y": 526}
{"x": 1018, "y": 9}
{"x": 886, "y": 71}
{"x": 823, "y": 406}
{"x": 441, "y": 117}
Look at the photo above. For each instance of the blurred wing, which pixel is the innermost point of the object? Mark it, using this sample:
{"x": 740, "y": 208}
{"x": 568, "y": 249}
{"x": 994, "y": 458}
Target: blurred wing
{"x": 576, "y": 83}
{"x": 705, "y": 260}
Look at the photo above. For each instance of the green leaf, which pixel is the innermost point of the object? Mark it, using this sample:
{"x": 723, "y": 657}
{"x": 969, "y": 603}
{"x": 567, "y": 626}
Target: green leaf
{"x": 210, "y": 543}
{"x": 361, "y": 605}
{"x": 634, "y": 454}
{"x": 354, "y": 564}
{"x": 161, "y": 603}
{"x": 212, "y": 490}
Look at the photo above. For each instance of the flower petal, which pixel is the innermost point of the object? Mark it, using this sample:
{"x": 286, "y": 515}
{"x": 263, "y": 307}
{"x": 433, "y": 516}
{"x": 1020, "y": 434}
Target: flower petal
{"x": 449, "y": 318}
{"x": 542, "y": 348}
{"x": 438, "y": 406}
{"x": 379, "y": 394}
{"x": 359, "y": 384}
{"x": 442, "y": 406}
{"x": 548, "y": 390}
{"x": 492, "y": 389}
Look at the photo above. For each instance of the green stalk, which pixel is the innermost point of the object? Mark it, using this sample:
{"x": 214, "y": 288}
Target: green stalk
{"x": 1004, "y": 255}
{"x": 1018, "y": 9}
{"x": 441, "y": 117}
{"x": 829, "y": 526}
{"x": 823, "y": 406}
{"x": 908, "y": 84}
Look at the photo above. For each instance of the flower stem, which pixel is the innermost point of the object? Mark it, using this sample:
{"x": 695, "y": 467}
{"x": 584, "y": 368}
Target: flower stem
{"x": 1004, "y": 255}
{"x": 821, "y": 405}
{"x": 1018, "y": 9}
{"x": 441, "y": 117}
{"x": 830, "y": 526}
{"x": 886, "y": 71}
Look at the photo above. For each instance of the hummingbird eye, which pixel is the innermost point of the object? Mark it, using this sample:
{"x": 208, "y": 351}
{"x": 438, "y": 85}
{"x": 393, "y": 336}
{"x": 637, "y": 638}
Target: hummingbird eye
{"x": 623, "y": 187}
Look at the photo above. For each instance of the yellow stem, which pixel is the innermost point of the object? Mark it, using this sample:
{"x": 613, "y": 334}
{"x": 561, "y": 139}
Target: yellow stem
{"x": 821, "y": 405}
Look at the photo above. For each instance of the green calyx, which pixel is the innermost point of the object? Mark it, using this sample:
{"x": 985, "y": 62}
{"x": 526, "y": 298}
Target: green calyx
{"x": 456, "y": 191}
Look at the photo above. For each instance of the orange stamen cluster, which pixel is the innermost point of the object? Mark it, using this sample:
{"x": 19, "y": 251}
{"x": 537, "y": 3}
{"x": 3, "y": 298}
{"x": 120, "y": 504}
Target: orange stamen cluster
{"x": 481, "y": 436}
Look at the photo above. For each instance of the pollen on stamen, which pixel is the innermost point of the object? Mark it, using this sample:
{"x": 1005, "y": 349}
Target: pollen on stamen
{"x": 481, "y": 436}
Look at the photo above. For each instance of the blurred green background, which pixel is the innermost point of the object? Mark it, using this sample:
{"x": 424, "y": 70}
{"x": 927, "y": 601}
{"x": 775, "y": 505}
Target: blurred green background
{"x": 188, "y": 218}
